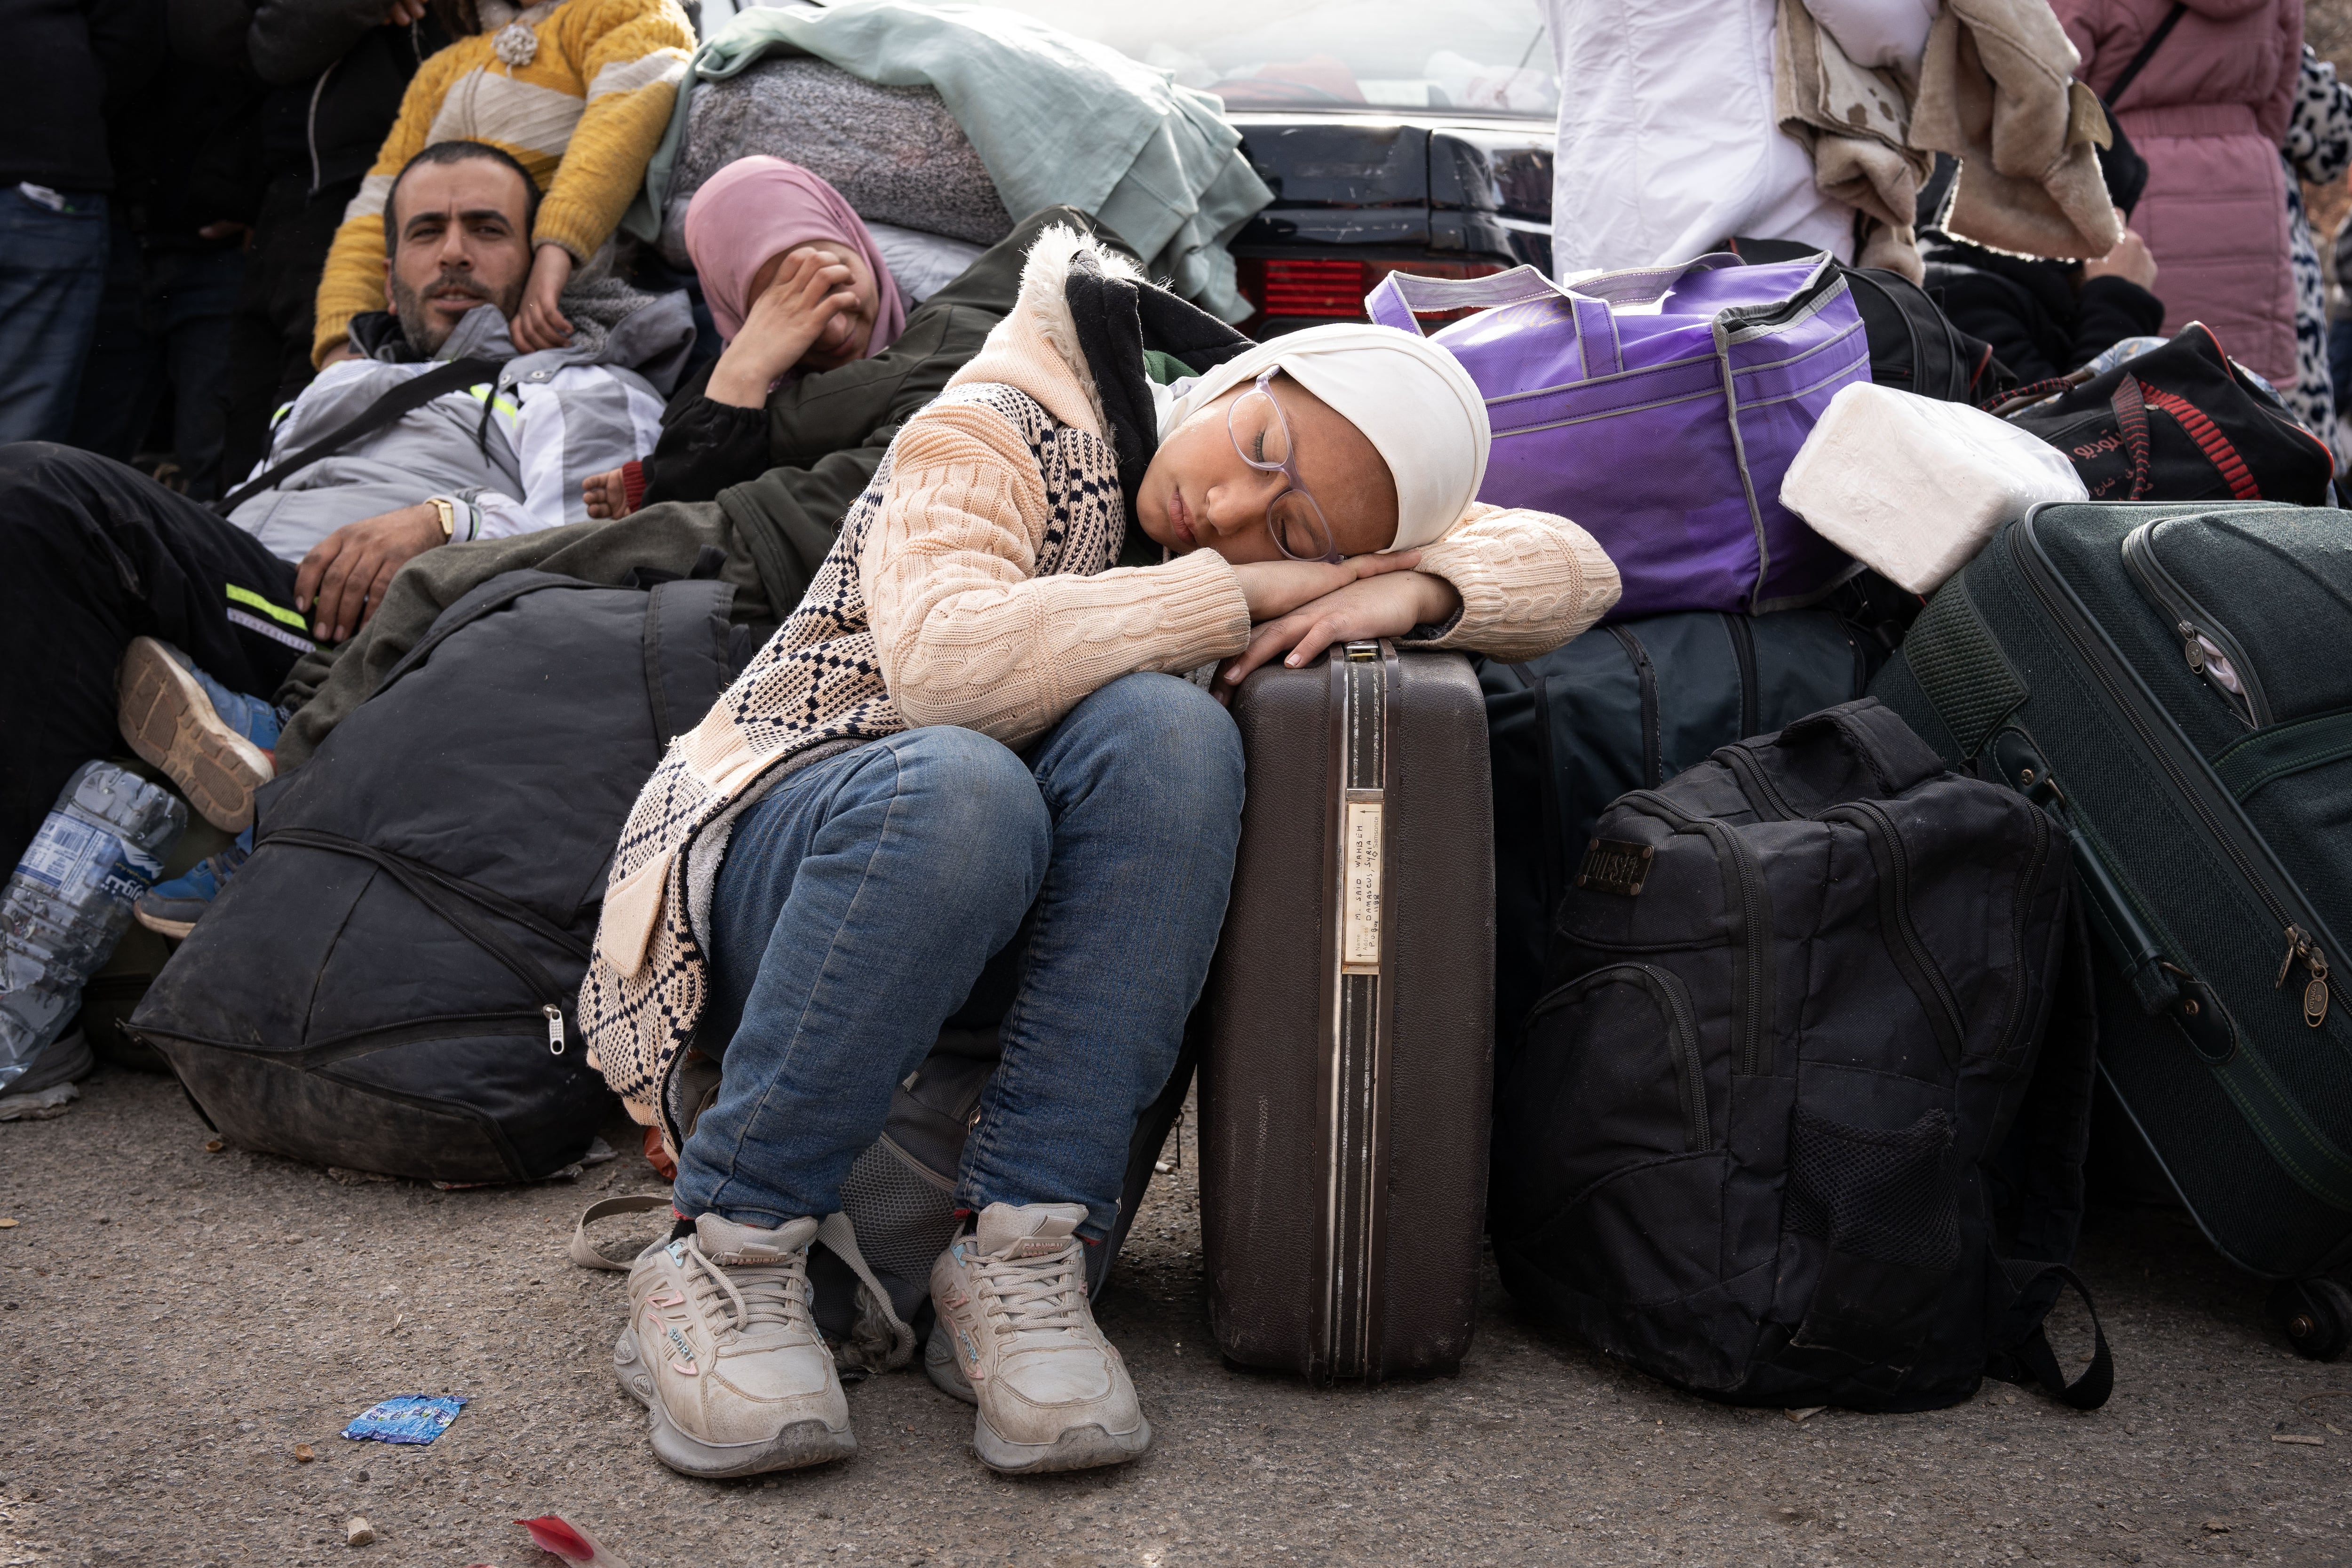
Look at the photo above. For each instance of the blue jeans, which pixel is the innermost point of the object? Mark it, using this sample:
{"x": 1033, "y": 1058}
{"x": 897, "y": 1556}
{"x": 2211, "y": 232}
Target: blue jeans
{"x": 861, "y": 901}
{"x": 52, "y": 269}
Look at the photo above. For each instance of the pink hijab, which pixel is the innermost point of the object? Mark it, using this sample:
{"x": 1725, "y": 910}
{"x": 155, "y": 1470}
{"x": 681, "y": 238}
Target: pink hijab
{"x": 757, "y": 207}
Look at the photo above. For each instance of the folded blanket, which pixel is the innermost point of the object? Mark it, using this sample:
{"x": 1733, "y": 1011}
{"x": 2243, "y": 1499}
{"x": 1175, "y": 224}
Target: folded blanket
{"x": 1055, "y": 118}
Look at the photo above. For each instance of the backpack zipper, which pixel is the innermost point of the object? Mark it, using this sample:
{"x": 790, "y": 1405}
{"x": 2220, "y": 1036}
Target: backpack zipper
{"x": 1754, "y": 782}
{"x": 1666, "y": 989}
{"x": 2203, "y": 638}
{"x": 1878, "y": 824}
{"x": 2097, "y": 656}
{"x": 1753, "y": 940}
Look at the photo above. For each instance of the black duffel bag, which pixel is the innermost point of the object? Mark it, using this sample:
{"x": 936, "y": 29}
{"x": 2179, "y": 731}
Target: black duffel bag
{"x": 387, "y": 983}
{"x": 2178, "y": 423}
{"x": 1799, "y": 1117}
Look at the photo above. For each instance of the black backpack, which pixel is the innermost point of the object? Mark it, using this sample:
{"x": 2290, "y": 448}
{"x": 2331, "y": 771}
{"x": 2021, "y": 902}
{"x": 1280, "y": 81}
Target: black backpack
{"x": 1787, "y": 1127}
{"x": 387, "y": 984}
{"x": 1628, "y": 706}
{"x": 1914, "y": 346}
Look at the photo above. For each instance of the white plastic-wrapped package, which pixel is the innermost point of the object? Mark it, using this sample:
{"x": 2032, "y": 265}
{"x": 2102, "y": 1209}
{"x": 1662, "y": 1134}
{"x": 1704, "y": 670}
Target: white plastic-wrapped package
{"x": 1912, "y": 487}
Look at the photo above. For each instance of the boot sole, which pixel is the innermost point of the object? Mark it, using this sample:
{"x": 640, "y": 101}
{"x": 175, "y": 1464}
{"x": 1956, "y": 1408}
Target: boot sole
{"x": 1079, "y": 1449}
{"x": 177, "y": 930}
{"x": 171, "y": 725}
{"x": 797, "y": 1447}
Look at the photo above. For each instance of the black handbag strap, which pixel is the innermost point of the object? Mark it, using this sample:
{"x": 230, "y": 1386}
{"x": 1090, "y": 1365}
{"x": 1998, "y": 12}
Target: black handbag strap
{"x": 411, "y": 393}
{"x": 2139, "y": 62}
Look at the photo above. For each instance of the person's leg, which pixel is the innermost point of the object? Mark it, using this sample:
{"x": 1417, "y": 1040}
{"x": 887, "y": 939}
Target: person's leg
{"x": 199, "y": 324}
{"x": 98, "y": 555}
{"x": 856, "y": 907}
{"x": 1143, "y": 779}
{"x": 1143, "y": 783}
{"x": 52, "y": 269}
{"x": 122, "y": 377}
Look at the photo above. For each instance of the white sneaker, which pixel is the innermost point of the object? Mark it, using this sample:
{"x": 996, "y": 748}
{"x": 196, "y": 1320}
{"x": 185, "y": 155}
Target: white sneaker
{"x": 721, "y": 1350}
{"x": 1016, "y": 1336}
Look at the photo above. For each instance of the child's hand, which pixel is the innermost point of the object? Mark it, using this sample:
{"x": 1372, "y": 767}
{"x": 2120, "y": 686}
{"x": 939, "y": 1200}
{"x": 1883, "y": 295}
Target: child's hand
{"x": 1388, "y": 606}
{"x": 812, "y": 300}
{"x": 539, "y": 324}
{"x": 607, "y": 494}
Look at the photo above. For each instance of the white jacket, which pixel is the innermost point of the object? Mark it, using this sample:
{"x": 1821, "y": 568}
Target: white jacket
{"x": 515, "y": 453}
{"x": 1668, "y": 144}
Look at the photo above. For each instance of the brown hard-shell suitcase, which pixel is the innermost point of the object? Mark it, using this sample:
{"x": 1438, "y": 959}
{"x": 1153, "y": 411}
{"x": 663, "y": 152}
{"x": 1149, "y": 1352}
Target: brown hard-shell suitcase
{"x": 1346, "y": 1080}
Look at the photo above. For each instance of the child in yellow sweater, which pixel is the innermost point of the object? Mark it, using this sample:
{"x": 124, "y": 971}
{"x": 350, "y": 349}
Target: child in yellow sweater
{"x": 578, "y": 90}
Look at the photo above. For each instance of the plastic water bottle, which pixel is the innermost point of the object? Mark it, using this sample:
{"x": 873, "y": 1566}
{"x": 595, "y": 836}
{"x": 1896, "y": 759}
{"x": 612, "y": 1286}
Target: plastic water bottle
{"x": 68, "y": 901}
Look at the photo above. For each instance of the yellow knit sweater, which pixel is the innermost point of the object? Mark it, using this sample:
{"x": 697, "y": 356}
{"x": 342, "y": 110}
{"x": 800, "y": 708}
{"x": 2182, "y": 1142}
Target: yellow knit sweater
{"x": 583, "y": 115}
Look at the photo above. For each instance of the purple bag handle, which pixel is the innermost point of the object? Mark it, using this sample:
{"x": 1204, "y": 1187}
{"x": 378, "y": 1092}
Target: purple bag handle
{"x": 1400, "y": 294}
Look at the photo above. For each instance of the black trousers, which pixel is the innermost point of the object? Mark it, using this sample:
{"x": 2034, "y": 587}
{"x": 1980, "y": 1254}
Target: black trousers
{"x": 93, "y": 553}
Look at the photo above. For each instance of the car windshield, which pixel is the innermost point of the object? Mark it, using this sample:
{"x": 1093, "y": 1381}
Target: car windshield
{"x": 1476, "y": 56}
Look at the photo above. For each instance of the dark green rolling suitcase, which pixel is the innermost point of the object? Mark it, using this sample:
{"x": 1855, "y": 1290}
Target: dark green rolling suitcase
{"x": 2174, "y": 681}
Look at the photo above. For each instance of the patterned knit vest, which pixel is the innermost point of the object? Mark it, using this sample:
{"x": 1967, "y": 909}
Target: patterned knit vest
{"x": 819, "y": 678}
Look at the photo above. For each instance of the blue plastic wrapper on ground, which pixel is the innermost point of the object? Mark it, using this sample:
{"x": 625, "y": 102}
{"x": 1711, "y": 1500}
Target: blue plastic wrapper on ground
{"x": 407, "y": 1418}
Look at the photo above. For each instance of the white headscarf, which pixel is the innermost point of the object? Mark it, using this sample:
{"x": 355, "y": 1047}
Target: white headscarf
{"x": 1411, "y": 398}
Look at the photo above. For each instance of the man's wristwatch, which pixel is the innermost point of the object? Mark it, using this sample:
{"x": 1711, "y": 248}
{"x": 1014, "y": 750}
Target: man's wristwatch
{"x": 449, "y": 510}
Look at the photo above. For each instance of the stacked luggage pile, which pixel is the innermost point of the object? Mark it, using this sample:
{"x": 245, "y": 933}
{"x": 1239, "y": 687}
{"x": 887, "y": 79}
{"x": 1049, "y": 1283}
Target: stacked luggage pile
{"x": 1748, "y": 968}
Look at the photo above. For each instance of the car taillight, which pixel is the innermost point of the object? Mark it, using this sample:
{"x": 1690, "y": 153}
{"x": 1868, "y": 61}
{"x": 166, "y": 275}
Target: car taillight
{"x": 1333, "y": 290}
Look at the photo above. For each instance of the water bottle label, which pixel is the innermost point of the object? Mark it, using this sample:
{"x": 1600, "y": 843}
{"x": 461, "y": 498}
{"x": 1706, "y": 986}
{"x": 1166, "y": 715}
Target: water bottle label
{"x": 71, "y": 857}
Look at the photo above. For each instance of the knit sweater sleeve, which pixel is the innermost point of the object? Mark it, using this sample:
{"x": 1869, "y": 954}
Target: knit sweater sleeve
{"x": 352, "y": 282}
{"x": 632, "y": 55}
{"x": 967, "y": 635}
{"x": 1529, "y": 581}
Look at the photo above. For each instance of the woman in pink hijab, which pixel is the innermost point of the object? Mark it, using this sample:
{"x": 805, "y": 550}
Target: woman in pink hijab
{"x": 793, "y": 281}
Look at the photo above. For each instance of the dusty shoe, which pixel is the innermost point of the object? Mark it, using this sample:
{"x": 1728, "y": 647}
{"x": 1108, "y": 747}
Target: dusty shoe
{"x": 211, "y": 742}
{"x": 1016, "y": 1336}
{"x": 721, "y": 1350}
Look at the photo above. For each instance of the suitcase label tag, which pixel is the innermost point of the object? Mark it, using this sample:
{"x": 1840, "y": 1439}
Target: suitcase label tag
{"x": 1614, "y": 866}
{"x": 1359, "y": 883}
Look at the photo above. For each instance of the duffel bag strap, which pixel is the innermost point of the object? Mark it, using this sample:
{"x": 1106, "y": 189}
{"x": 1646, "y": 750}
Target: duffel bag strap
{"x": 584, "y": 1252}
{"x": 2028, "y": 1358}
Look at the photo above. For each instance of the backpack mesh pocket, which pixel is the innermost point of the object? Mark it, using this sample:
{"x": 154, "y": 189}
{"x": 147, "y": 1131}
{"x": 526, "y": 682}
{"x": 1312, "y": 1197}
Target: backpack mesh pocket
{"x": 1887, "y": 1196}
{"x": 904, "y": 1218}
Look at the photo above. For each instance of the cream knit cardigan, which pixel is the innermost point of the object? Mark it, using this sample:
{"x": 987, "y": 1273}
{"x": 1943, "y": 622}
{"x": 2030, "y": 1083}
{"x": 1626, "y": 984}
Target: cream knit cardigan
{"x": 971, "y": 585}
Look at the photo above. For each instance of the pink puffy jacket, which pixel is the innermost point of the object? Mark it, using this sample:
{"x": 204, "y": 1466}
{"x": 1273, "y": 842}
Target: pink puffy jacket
{"x": 2208, "y": 113}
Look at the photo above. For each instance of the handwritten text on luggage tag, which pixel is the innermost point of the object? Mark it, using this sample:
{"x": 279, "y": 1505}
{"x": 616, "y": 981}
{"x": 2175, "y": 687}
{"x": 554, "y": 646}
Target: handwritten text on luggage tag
{"x": 1360, "y": 883}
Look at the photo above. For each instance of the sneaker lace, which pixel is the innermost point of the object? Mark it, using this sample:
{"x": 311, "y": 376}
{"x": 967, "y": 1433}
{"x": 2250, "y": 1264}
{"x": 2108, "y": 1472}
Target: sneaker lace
{"x": 1031, "y": 1295}
{"x": 759, "y": 1295}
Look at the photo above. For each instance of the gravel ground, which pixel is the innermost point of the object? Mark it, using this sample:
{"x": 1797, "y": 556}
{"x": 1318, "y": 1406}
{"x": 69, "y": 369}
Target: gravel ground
{"x": 177, "y": 1321}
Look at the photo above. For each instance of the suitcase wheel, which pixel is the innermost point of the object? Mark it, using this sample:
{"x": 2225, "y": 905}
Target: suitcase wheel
{"x": 2315, "y": 1316}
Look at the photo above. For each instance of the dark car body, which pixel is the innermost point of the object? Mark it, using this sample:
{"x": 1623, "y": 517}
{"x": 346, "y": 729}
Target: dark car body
{"x": 1357, "y": 194}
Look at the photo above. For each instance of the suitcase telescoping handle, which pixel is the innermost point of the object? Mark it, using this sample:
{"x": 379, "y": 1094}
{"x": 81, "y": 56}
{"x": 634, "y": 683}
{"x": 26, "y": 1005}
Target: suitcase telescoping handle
{"x": 2159, "y": 985}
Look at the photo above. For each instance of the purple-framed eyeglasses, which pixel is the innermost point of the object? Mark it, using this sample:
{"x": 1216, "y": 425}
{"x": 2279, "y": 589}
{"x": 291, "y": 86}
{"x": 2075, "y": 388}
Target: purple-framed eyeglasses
{"x": 1260, "y": 434}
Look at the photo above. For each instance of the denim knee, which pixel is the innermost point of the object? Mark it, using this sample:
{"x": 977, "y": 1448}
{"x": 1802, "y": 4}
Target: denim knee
{"x": 972, "y": 794}
{"x": 1168, "y": 735}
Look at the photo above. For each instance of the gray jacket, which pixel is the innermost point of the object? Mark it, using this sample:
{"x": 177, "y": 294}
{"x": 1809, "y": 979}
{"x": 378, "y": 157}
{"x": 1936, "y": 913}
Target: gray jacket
{"x": 515, "y": 453}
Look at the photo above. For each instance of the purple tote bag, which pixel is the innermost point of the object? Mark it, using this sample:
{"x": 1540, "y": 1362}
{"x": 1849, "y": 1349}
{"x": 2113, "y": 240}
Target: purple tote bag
{"x": 1659, "y": 408}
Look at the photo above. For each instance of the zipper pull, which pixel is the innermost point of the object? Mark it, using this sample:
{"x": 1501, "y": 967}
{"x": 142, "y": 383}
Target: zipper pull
{"x": 2294, "y": 946}
{"x": 555, "y": 1027}
{"x": 2193, "y": 646}
{"x": 2314, "y": 995}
